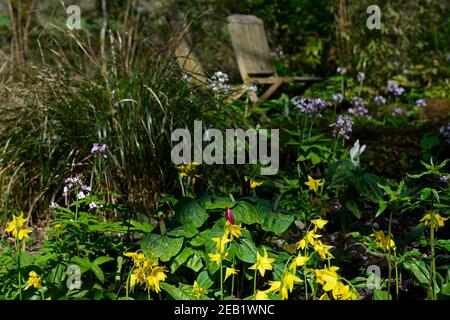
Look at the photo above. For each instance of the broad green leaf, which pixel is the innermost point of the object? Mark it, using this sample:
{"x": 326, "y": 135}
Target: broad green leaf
{"x": 186, "y": 230}
{"x": 83, "y": 263}
{"x": 245, "y": 249}
{"x": 195, "y": 262}
{"x": 272, "y": 221}
{"x": 191, "y": 211}
{"x": 380, "y": 295}
{"x": 174, "y": 292}
{"x": 245, "y": 213}
{"x": 419, "y": 270}
{"x": 181, "y": 258}
{"x": 204, "y": 280}
{"x": 219, "y": 203}
{"x": 98, "y": 272}
{"x": 381, "y": 207}
{"x": 163, "y": 247}
{"x": 353, "y": 208}
{"x": 101, "y": 260}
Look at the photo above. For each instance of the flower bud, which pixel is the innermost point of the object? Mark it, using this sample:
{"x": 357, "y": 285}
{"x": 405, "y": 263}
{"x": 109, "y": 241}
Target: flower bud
{"x": 229, "y": 215}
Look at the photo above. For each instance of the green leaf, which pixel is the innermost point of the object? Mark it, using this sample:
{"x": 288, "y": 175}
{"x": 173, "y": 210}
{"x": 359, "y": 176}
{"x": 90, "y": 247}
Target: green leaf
{"x": 174, "y": 292}
{"x": 102, "y": 260}
{"x": 272, "y": 221}
{"x": 380, "y": 295}
{"x": 83, "y": 263}
{"x": 245, "y": 249}
{"x": 191, "y": 211}
{"x": 186, "y": 230}
{"x": 219, "y": 203}
{"x": 245, "y": 212}
{"x": 195, "y": 262}
{"x": 181, "y": 258}
{"x": 414, "y": 234}
{"x": 381, "y": 207}
{"x": 204, "y": 280}
{"x": 142, "y": 227}
{"x": 419, "y": 270}
{"x": 162, "y": 246}
{"x": 98, "y": 272}
{"x": 353, "y": 208}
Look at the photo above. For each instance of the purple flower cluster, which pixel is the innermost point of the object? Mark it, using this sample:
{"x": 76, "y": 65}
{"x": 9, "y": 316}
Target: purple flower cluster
{"x": 445, "y": 132}
{"x": 337, "y": 97}
{"x": 445, "y": 178}
{"x": 342, "y": 127}
{"x": 421, "y": 103}
{"x": 99, "y": 149}
{"x": 359, "y": 107}
{"x": 395, "y": 89}
{"x": 76, "y": 183}
{"x": 379, "y": 100}
{"x": 310, "y": 106}
{"x": 397, "y": 112}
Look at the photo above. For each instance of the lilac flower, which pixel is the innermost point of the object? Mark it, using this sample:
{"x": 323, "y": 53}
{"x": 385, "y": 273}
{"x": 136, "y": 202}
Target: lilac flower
{"x": 76, "y": 183}
{"x": 358, "y": 111}
{"x": 81, "y": 195}
{"x": 397, "y": 112}
{"x": 361, "y": 76}
{"x": 219, "y": 82}
{"x": 445, "y": 178}
{"x": 421, "y": 103}
{"x": 337, "y": 97}
{"x": 252, "y": 87}
{"x": 310, "y": 106}
{"x": 342, "y": 127}
{"x": 53, "y": 205}
{"x": 93, "y": 205}
{"x": 99, "y": 149}
{"x": 358, "y": 102}
{"x": 341, "y": 71}
{"x": 395, "y": 89}
{"x": 379, "y": 100}
{"x": 445, "y": 132}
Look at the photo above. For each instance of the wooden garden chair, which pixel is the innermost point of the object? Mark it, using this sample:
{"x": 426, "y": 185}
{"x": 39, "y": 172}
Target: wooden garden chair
{"x": 253, "y": 57}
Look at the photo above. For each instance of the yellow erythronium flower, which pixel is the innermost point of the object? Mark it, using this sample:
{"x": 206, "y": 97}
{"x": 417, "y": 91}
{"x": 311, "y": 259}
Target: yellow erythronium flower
{"x": 156, "y": 276}
{"x": 284, "y": 293}
{"x": 58, "y": 227}
{"x": 438, "y": 220}
{"x": 221, "y": 242}
{"x": 229, "y": 272}
{"x": 261, "y": 295}
{"x": 138, "y": 258}
{"x": 253, "y": 184}
{"x": 274, "y": 286}
{"x": 234, "y": 230}
{"x": 299, "y": 261}
{"x": 34, "y": 280}
{"x": 343, "y": 292}
{"x": 289, "y": 279}
{"x": 263, "y": 263}
{"x": 314, "y": 184}
{"x": 327, "y": 277}
{"x": 215, "y": 257}
{"x": 187, "y": 169}
{"x": 197, "y": 290}
{"x": 383, "y": 241}
{"x": 15, "y": 227}
{"x": 323, "y": 250}
{"x": 319, "y": 223}
{"x": 324, "y": 297}
{"x": 309, "y": 239}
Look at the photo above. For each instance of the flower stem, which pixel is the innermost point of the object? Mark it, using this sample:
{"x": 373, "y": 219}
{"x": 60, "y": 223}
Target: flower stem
{"x": 254, "y": 281}
{"x": 19, "y": 275}
{"x": 221, "y": 280}
{"x": 433, "y": 257}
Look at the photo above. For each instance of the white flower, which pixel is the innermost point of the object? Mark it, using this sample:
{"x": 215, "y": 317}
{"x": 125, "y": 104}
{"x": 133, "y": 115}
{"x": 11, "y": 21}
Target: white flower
{"x": 355, "y": 153}
{"x": 53, "y": 205}
{"x": 81, "y": 195}
{"x": 93, "y": 205}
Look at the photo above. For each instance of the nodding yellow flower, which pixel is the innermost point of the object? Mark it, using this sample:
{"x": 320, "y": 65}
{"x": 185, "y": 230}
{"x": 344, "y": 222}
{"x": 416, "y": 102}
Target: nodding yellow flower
{"x": 253, "y": 184}
{"x": 343, "y": 292}
{"x": 309, "y": 239}
{"x": 157, "y": 275}
{"x": 58, "y": 227}
{"x": 284, "y": 293}
{"x": 197, "y": 290}
{"x": 327, "y": 277}
{"x": 234, "y": 230}
{"x": 215, "y": 257}
{"x": 263, "y": 263}
{"x": 439, "y": 221}
{"x": 274, "y": 286}
{"x": 229, "y": 272}
{"x": 299, "y": 261}
{"x": 288, "y": 280}
{"x": 15, "y": 227}
{"x": 186, "y": 170}
{"x": 319, "y": 223}
{"x": 383, "y": 241}
{"x": 314, "y": 184}
{"x": 146, "y": 271}
{"x": 221, "y": 242}
{"x": 261, "y": 295}
{"x": 323, "y": 250}
{"x": 34, "y": 280}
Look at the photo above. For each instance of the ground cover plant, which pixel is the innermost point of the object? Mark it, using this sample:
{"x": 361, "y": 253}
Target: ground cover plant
{"x": 93, "y": 206}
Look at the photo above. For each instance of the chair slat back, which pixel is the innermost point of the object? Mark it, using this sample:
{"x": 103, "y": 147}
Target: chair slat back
{"x": 250, "y": 45}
